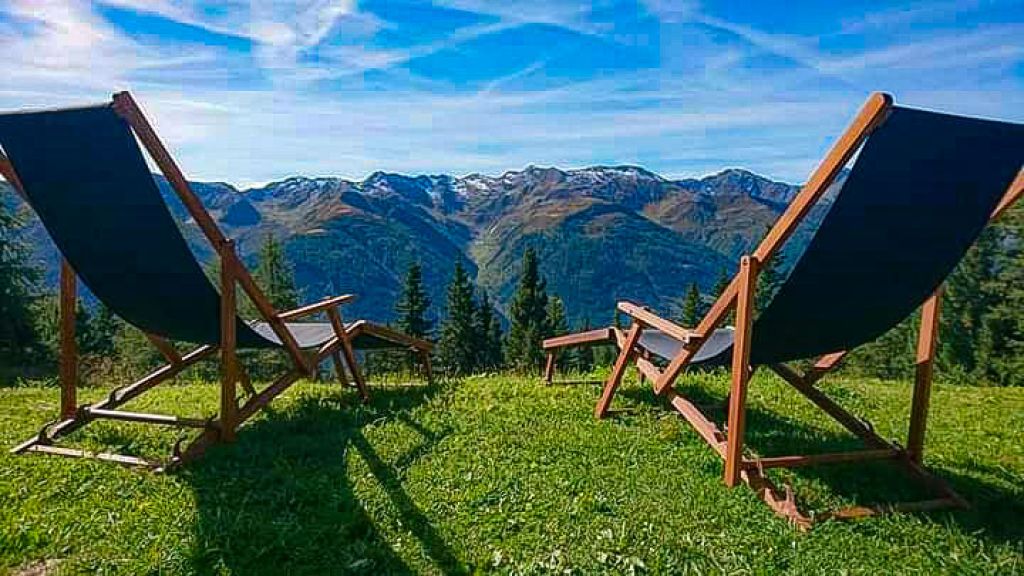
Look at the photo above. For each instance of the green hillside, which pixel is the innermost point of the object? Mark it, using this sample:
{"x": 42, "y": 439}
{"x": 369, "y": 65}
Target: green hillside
{"x": 588, "y": 226}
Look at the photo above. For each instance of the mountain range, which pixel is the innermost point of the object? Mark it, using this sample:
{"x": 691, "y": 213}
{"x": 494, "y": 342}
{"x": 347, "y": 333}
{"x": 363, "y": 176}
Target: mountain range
{"x": 601, "y": 233}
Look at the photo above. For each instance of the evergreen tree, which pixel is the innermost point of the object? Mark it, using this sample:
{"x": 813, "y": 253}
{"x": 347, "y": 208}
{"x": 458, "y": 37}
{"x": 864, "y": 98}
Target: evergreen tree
{"x": 691, "y": 307}
{"x": 413, "y": 304}
{"x": 582, "y": 358}
{"x": 966, "y": 303}
{"x": 1000, "y": 356}
{"x": 488, "y": 334}
{"x": 275, "y": 276}
{"x": 135, "y": 354}
{"x": 981, "y": 337}
{"x": 556, "y": 322}
{"x": 769, "y": 277}
{"x": 528, "y": 316}
{"x": 96, "y": 330}
{"x": 18, "y": 286}
{"x": 721, "y": 283}
{"x": 605, "y": 355}
{"x": 891, "y": 355}
{"x": 458, "y": 347}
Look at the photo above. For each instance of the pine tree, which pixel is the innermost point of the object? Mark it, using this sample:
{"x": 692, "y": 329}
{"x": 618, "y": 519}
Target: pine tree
{"x": 605, "y": 355}
{"x": 528, "y": 316}
{"x": 18, "y": 288}
{"x": 275, "y": 276}
{"x": 413, "y": 304}
{"x": 1000, "y": 351}
{"x": 769, "y": 277}
{"x": 457, "y": 349}
{"x": 135, "y": 354}
{"x": 966, "y": 304}
{"x": 488, "y": 334}
{"x": 581, "y": 359}
{"x": 557, "y": 325}
{"x": 721, "y": 283}
{"x": 97, "y": 330}
{"x": 891, "y": 355}
{"x": 691, "y": 307}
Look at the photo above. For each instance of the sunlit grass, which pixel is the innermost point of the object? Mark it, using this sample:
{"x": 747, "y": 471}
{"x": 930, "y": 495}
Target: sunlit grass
{"x": 504, "y": 474}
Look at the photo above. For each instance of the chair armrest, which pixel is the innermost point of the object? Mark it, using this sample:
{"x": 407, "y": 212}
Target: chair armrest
{"x": 599, "y": 336}
{"x": 317, "y": 307}
{"x": 648, "y": 318}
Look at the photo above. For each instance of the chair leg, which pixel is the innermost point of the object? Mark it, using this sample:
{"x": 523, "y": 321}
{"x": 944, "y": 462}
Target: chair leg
{"x": 339, "y": 369}
{"x": 740, "y": 371}
{"x": 228, "y": 356}
{"x": 353, "y": 365}
{"x": 923, "y": 375}
{"x": 68, "y": 347}
{"x": 428, "y": 370}
{"x": 615, "y": 378}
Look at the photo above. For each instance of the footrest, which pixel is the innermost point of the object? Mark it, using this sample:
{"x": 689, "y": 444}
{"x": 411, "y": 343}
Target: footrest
{"x": 149, "y": 418}
{"x": 105, "y": 456}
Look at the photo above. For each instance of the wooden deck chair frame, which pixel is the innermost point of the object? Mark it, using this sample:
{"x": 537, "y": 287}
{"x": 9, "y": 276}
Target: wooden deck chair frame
{"x": 233, "y": 275}
{"x": 739, "y": 296}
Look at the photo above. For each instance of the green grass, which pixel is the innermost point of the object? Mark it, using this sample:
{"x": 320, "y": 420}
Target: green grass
{"x": 501, "y": 474}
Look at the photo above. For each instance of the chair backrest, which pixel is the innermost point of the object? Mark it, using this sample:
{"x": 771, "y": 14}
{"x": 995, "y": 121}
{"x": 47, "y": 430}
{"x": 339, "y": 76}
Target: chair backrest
{"x": 919, "y": 194}
{"x": 85, "y": 177}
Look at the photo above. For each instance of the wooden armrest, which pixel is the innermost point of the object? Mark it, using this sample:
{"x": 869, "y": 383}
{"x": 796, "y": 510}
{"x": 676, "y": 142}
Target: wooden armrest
{"x": 599, "y": 336}
{"x": 317, "y": 307}
{"x": 648, "y": 318}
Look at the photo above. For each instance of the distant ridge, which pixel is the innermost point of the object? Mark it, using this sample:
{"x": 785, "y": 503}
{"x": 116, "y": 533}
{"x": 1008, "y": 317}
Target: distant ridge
{"x": 602, "y": 232}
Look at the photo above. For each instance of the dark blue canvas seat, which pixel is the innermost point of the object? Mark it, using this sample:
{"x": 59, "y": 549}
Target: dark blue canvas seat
{"x": 918, "y": 195}
{"x": 85, "y": 176}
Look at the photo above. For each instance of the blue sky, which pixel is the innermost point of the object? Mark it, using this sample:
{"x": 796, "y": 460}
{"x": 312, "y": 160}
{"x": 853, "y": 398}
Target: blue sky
{"x": 252, "y": 91}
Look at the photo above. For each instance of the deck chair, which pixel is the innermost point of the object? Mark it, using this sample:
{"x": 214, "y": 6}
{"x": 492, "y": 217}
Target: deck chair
{"x": 921, "y": 190}
{"x": 82, "y": 172}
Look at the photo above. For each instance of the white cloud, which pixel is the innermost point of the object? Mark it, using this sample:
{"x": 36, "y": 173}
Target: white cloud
{"x": 959, "y": 50}
{"x": 703, "y": 110}
{"x": 893, "y": 18}
{"x": 63, "y": 47}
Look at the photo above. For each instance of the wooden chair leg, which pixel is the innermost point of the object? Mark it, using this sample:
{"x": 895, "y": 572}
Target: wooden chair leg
{"x": 926, "y": 341}
{"x": 740, "y": 371}
{"x": 615, "y": 378}
{"x": 348, "y": 353}
{"x": 428, "y": 370}
{"x": 228, "y": 356}
{"x": 245, "y": 381}
{"x": 353, "y": 365}
{"x": 68, "y": 347}
{"x": 339, "y": 369}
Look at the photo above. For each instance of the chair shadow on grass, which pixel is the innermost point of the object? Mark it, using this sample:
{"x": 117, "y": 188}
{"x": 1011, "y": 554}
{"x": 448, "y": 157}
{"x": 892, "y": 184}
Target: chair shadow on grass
{"x": 995, "y": 510}
{"x": 280, "y": 500}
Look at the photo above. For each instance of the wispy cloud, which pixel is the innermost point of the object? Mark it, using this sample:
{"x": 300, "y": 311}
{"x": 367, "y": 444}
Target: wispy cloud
{"x": 895, "y": 17}
{"x": 1000, "y": 45}
{"x": 343, "y": 88}
{"x": 64, "y": 47}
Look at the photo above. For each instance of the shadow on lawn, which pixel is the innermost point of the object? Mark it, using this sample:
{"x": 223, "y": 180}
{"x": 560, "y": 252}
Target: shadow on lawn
{"x": 280, "y": 500}
{"x": 995, "y": 510}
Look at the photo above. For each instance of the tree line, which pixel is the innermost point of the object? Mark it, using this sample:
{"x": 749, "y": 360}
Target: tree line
{"x": 981, "y": 338}
{"x": 470, "y": 338}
